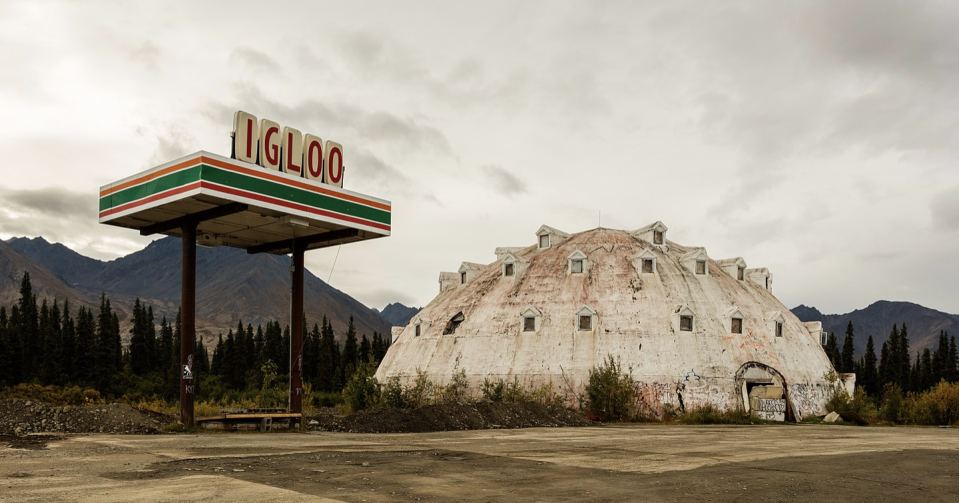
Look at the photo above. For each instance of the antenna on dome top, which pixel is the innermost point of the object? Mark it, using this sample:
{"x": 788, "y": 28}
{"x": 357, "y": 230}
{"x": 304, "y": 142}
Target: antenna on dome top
{"x": 599, "y": 220}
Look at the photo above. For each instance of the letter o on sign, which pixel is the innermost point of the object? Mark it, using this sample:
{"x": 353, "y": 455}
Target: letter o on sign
{"x": 313, "y": 157}
{"x": 334, "y": 164}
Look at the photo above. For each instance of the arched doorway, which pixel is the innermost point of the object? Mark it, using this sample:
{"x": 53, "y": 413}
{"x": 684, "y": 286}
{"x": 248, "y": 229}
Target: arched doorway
{"x": 765, "y": 392}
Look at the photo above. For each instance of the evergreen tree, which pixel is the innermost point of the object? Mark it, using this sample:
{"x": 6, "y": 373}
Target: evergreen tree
{"x": 938, "y": 357}
{"x": 48, "y": 361}
{"x": 952, "y": 362}
{"x": 6, "y": 360}
{"x": 84, "y": 363}
{"x": 68, "y": 346}
{"x": 868, "y": 375}
{"x": 832, "y": 351}
{"x": 165, "y": 350}
{"x": 327, "y": 359}
{"x": 903, "y": 370}
{"x": 311, "y": 354}
{"x": 889, "y": 364}
{"x": 351, "y": 353}
{"x": 105, "y": 360}
{"x": 15, "y": 342}
{"x": 28, "y": 331}
{"x": 846, "y": 360}
{"x": 141, "y": 355}
{"x": 216, "y": 365}
{"x": 284, "y": 366}
{"x": 926, "y": 374}
{"x": 366, "y": 349}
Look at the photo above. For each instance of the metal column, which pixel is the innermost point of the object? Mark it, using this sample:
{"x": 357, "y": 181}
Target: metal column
{"x": 188, "y": 323}
{"x": 296, "y": 330}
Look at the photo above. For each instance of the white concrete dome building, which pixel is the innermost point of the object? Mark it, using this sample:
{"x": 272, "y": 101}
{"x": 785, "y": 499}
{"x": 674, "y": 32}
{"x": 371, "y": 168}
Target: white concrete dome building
{"x": 694, "y": 330}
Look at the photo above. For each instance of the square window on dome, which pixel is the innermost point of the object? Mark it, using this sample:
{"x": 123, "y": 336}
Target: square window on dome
{"x": 737, "y": 325}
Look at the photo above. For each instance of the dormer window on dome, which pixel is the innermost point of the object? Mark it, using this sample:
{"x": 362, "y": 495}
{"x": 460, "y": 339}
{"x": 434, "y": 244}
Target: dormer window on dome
{"x": 645, "y": 262}
{"x": 775, "y": 321}
{"x": 417, "y": 323}
{"x": 548, "y": 236}
{"x": 735, "y": 267}
{"x": 530, "y": 319}
{"x": 577, "y": 262}
{"x": 448, "y": 280}
{"x": 654, "y": 233}
{"x": 696, "y": 261}
{"x": 512, "y": 265}
{"x": 467, "y": 271}
{"x": 684, "y": 319}
{"x": 760, "y": 276}
{"x": 733, "y": 318}
{"x": 585, "y": 319}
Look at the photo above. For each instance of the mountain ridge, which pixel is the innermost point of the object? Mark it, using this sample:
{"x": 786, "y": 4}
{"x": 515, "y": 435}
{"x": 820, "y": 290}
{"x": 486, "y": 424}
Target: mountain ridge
{"x": 259, "y": 285}
{"x": 877, "y": 320}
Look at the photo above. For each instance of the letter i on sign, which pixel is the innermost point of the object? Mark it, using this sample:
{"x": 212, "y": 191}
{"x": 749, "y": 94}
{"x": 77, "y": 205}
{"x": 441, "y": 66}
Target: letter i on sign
{"x": 245, "y": 137}
{"x": 292, "y": 152}
{"x": 313, "y": 157}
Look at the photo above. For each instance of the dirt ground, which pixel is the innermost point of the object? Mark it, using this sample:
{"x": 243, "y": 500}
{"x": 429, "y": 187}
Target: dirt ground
{"x": 610, "y": 463}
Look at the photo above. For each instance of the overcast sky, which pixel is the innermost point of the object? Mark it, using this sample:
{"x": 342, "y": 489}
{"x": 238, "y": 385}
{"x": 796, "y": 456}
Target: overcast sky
{"x": 817, "y": 138}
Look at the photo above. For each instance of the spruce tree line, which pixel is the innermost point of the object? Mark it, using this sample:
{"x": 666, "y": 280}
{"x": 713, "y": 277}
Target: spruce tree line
{"x": 895, "y": 366}
{"x": 49, "y": 345}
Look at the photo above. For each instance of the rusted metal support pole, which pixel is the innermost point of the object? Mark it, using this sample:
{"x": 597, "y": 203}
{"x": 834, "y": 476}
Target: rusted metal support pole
{"x": 188, "y": 324}
{"x": 296, "y": 331}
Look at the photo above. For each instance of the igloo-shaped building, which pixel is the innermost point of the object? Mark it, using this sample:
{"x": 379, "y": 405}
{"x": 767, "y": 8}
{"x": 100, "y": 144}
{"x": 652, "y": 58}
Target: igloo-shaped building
{"x": 693, "y": 330}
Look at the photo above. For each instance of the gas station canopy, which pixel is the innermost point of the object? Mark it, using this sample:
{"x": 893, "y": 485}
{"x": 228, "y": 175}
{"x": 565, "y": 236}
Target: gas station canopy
{"x": 242, "y": 205}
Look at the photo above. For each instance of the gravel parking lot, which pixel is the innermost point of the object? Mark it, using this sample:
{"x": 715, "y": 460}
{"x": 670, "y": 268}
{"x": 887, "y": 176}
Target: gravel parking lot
{"x": 610, "y": 463}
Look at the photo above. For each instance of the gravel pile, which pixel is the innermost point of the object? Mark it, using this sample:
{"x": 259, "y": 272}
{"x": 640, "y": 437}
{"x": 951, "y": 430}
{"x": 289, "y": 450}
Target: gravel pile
{"x": 449, "y": 417}
{"x": 22, "y": 417}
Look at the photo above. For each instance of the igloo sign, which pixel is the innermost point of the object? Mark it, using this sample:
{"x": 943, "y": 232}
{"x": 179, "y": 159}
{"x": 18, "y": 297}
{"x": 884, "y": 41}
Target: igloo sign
{"x": 285, "y": 149}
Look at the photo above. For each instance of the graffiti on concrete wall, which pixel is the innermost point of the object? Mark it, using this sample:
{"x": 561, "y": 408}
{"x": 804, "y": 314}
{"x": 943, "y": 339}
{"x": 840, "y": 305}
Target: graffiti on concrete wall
{"x": 808, "y": 398}
{"x": 754, "y": 346}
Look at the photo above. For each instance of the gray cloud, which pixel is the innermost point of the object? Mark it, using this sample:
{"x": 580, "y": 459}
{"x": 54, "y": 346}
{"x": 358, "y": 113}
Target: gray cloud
{"x": 57, "y": 214}
{"x": 340, "y": 119}
{"x": 146, "y": 54}
{"x": 945, "y": 210}
{"x": 504, "y": 181}
{"x": 172, "y": 142}
{"x": 255, "y": 59}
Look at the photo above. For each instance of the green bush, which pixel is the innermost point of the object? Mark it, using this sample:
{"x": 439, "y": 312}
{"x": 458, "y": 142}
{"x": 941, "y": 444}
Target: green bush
{"x": 892, "y": 403}
{"x": 493, "y": 390}
{"x": 938, "y": 406}
{"x": 421, "y": 393}
{"x": 457, "y": 391}
{"x": 53, "y": 395}
{"x": 392, "y": 395}
{"x": 610, "y": 393}
{"x": 362, "y": 390}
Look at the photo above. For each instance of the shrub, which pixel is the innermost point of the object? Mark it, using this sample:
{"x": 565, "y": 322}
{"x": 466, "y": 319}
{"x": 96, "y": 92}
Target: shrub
{"x": 421, "y": 393}
{"x": 939, "y": 405}
{"x": 392, "y": 394}
{"x": 53, "y": 395}
{"x": 493, "y": 390}
{"x": 610, "y": 393}
{"x": 272, "y": 393}
{"x": 362, "y": 390}
{"x": 457, "y": 391}
{"x": 892, "y": 403}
